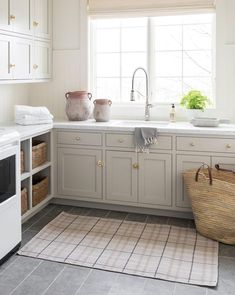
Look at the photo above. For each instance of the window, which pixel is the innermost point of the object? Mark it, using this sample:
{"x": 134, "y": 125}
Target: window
{"x": 176, "y": 51}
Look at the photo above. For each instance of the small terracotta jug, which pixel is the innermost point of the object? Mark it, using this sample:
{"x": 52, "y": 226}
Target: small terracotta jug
{"x": 78, "y": 105}
{"x": 102, "y": 110}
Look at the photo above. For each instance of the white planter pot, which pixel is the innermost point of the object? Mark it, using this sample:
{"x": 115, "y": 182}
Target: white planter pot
{"x": 195, "y": 113}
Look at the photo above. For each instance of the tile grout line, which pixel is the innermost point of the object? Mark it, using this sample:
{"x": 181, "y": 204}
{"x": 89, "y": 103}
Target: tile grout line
{"x": 82, "y": 284}
{"x": 25, "y": 278}
{"x": 44, "y": 292}
{"x": 44, "y": 215}
{"x": 17, "y": 257}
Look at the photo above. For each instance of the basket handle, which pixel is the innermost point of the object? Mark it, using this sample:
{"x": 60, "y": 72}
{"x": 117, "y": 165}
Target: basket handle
{"x": 209, "y": 172}
{"x": 226, "y": 170}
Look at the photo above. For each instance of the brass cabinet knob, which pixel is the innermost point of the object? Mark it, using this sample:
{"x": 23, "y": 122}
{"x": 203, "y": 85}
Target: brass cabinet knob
{"x": 12, "y": 66}
{"x": 100, "y": 163}
{"x": 35, "y": 24}
{"x": 228, "y": 146}
{"x": 120, "y": 140}
{"x": 12, "y": 17}
{"x": 135, "y": 166}
{"x": 192, "y": 144}
{"x": 35, "y": 67}
{"x": 77, "y": 138}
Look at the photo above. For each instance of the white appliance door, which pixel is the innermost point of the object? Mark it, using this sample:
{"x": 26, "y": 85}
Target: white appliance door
{"x": 10, "y": 208}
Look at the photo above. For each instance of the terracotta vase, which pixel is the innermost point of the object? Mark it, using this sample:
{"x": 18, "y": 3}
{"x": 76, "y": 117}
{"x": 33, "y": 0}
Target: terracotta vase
{"x": 102, "y": 110}
{"x": 78, "y": 105}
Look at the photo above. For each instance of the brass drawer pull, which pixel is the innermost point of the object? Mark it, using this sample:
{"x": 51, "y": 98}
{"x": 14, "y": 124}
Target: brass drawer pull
{"x": 35, "y": 67}
{"x": 135, "y": 166}
{"x": 192, "y": 144}
{"x": 35, "y": 24}
{"x": 12, "y": 66}
{"x": 228, "y": 146}
{"x": 120, "y": 140}
{"x": 78, "y": 138}
{"x": 100, "y": 163}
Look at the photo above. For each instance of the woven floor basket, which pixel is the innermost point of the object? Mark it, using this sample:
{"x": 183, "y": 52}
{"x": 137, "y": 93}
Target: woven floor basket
{"x": 213, "y": 202}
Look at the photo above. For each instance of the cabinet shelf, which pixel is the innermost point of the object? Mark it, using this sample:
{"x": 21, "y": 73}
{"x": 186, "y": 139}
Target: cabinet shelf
{"x": 41, "y": 167}
{"x": 25, "y": 175}
{"x": 44, "y": 170}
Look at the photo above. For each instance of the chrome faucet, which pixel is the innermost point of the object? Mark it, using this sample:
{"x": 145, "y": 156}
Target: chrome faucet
{"x": 148, "y": 105}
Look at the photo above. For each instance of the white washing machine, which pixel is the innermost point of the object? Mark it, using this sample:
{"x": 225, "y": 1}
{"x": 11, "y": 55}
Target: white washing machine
{"x": 10, "y": 200}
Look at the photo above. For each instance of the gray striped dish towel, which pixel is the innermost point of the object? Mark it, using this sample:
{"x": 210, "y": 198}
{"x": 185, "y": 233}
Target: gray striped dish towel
{"x": 144, "y": 138}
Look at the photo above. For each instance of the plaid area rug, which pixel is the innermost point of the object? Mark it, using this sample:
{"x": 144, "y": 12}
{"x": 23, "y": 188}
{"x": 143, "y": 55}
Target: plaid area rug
{"x": 150, "y": 250}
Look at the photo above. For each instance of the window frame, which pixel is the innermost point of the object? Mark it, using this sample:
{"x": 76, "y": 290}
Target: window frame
{"x": 150, "y": 61}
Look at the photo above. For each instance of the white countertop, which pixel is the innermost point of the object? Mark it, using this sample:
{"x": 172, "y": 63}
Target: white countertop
{"x": 162, "y": 126}
{"x": 122, "y": 126}
{"x": 26, "y": 131}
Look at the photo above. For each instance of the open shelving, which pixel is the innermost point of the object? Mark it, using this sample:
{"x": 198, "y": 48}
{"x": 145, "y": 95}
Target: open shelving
{"x": 29, "y": 173}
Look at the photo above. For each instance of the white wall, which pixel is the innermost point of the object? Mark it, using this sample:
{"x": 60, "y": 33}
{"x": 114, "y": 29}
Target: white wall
{"x": 69, "y": 57}
{"x": 70, "y": 67}
{"x": 10, "y": 95}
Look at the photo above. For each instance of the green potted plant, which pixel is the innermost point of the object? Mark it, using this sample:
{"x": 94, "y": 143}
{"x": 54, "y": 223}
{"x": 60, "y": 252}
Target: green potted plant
{"x": 195, "y": 102}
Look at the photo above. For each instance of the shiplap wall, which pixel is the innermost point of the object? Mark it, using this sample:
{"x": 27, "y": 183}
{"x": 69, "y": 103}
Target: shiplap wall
{"x": 9, "y": 96}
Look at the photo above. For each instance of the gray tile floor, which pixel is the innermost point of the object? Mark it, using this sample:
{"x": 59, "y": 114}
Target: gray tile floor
{"x": 28, "y": 276}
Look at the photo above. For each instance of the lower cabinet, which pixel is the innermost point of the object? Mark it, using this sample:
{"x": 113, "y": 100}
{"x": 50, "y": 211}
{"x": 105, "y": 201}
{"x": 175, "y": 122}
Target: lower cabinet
{"x": 142, "y": 178}
{"x": 184, "y": 163}
{"x": 155, "y": 179}
{"x": 80, "y": 172}
{"x": 121, "y": 176}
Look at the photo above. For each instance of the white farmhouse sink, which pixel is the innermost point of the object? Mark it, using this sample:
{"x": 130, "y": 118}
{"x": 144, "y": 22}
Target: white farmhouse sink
{"x": 140, "y": 123}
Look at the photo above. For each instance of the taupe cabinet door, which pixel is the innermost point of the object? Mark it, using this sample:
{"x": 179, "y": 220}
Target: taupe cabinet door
{"x": 155, "y": 179}
{"x": 121, "y": 176}
{"x": 184, "y": 163}
{"x": 79, "y": 173}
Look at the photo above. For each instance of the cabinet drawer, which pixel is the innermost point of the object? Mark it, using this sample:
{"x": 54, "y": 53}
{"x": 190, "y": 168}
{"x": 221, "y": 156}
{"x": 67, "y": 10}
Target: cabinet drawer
{"x": 127, "y": 141}
{"x": 79, "y": 138}
{"x": 198, "y": 144}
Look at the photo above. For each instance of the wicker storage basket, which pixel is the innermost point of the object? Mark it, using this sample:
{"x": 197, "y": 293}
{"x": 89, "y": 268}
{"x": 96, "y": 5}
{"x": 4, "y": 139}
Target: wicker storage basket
{"x": 40, "y": 190}
{"x": 212, "y": 195}
{"x": 22, "y": 169}
{"x": 24, "y": 201}
{"x": 39, "y": 153}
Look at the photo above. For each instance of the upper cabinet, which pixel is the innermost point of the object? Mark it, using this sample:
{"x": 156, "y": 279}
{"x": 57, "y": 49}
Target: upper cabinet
{"x": 25, "y": 40}
{"x": 20, "y": 16}
{"x": 42, "y": 20}
{"x": 15, "y": 16}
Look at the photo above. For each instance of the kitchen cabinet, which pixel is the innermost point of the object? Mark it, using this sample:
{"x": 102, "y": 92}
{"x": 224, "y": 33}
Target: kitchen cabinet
{"x": 5, "y": 56}
{"x": 80, "y": 172}
{"x": 4, "y": 14}
{"x": 155, "y": 179}
{"x": 121, "y": 176}
{"x": 41, "y": 19}
{"x": 25, "y": 40}
{"x": 138, "y": 178}
{"x": 15, "y": 58}
{"x": 20, "y": 13}
{"x": 183, "y": 163}
{"x": 21, "y": 60}
{"x": 42, "y": 60}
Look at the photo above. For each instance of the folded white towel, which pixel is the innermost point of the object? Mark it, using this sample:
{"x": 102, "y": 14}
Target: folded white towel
{"x": 33, "y": 118}
{"x": 33, "y": 122}
{"x": 39, "y": 112}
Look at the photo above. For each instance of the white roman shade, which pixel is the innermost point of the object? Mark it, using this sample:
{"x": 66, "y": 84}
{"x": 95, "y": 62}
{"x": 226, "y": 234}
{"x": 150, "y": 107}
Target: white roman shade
{"x": 143, "y": 7}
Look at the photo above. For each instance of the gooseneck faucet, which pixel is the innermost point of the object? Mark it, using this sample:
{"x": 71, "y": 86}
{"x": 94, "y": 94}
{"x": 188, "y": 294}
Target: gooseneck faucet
{"x": 132, "y": 98}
